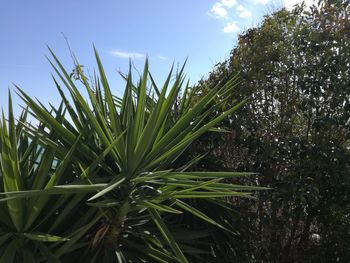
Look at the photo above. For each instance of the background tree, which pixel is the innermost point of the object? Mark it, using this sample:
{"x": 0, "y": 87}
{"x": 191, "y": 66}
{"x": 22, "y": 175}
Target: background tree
{"x": 294, "y": 132}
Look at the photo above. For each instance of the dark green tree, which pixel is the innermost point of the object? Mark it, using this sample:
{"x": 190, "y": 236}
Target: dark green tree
{"x": 294, "y": 131}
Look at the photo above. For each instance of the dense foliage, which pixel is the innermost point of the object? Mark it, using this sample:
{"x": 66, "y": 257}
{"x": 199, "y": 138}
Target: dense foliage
{"x": 294, "y": 131}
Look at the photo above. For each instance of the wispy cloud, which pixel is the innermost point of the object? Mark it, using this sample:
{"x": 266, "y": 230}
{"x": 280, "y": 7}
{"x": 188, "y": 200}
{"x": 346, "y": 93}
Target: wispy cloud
{"x": 222, "y": 9}
{"x": 228, "y": 11}
{"x": 231, "y": 27}
{"x": 229, "y": 3}
{"x": 243, "y": 12}
{"x": 162, "y": 58}
{"x": 124, "y": 54}
{"x": 261, "y": 2}
{"x": 218, "y": 10}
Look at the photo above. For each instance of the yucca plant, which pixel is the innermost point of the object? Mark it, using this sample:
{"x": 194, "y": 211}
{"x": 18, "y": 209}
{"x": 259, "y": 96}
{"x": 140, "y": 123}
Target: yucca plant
{"x": 123, "y": 150}
{"x": 32, "y": 224}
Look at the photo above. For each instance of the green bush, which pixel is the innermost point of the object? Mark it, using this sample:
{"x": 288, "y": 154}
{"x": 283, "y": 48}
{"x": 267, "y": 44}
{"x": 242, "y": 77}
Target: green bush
{"x": 294, "y": 132}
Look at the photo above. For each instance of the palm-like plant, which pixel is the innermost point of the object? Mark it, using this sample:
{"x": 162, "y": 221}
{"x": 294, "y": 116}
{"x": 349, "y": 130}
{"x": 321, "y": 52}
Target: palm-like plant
{"x": 123, "y": 150}
{"x": 32, "y": 224}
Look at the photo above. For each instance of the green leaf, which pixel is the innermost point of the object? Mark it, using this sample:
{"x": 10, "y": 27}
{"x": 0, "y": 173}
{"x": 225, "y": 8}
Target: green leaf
{"x": 159, "y": 207}
{"x": 10, "y": 252}
{"x": 167, "y": 235}
{"x": 111, "y": 186}
{"x": 44, "y": 237}
{"x": 198, "y": 213}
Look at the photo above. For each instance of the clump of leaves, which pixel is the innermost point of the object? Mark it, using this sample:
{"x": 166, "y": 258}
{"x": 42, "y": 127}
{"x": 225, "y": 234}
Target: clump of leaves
{"x": 122, "y": 150}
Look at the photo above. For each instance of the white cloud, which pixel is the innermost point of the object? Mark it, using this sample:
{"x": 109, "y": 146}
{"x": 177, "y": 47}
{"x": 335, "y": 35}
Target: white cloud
{"x": 230, "y": 27}
{"x": 162, "y": 58}
{"x": 289, "y": 4}
{"x": 261, "y": 2}
{"x": 218, "y": 10}
{"x": 243, "y": 12}
{"x": 229, "y": 3}
{"x": 123, "y": 54}
{"x": 221, "y": 10}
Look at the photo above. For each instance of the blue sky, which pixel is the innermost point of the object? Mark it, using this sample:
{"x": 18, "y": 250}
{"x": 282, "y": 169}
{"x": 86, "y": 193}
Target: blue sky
{"x": 166, "y": 31}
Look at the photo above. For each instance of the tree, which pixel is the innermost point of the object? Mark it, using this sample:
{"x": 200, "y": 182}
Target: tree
{"x": 294, "y": 131}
